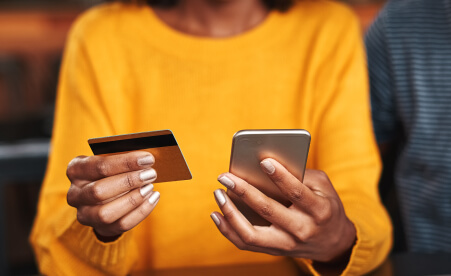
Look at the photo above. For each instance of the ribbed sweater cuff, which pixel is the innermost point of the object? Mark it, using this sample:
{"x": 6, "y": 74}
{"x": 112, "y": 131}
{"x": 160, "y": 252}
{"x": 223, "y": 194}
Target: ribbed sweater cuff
{"x": 360, "y": 256}
{"x": 358, "y": 261}
{"x": 111, "y": 257}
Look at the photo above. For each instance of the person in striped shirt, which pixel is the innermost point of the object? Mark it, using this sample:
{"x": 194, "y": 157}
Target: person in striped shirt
{"x": 409, "y": 60}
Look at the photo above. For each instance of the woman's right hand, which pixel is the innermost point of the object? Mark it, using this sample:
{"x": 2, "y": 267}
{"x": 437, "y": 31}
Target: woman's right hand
{"x": 112, "y": 193}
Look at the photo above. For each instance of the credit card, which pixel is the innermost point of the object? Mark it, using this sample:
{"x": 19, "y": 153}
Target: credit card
{"x": 170, "y": 164}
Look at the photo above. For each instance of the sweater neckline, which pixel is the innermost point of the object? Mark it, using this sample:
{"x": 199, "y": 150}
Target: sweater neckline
{"x": 186, "y": 45}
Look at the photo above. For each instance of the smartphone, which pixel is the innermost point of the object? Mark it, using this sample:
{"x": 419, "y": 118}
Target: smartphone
{"x": 249, "y": 147}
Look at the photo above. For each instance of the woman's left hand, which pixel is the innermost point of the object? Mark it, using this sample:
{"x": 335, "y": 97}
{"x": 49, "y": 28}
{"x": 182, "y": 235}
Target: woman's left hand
{"x": 315, "y": 226}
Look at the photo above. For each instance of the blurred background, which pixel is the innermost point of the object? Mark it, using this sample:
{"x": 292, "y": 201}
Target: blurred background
{"x": 32, "y": 38}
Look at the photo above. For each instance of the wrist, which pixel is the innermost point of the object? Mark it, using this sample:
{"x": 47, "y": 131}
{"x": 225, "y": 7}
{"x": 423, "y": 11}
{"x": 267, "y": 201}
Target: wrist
{"x": 347, "y": 244}
{"x": 338, "y": 263}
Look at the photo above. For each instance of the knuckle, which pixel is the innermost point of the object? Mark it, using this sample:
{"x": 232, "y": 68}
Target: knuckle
{"x": 226, "y": 232}
{"x": 124, "y": 226}
{"x": 335, "y": 240}
{"x": 129, "y": 182}
{"x": 304, "y": 235}
{"x": 323, "y": 215}
{"x": 322, "y": 176}
{"x": 104, "y": 216}
{"x": 266, "y": 211}
{"x": 102, "y": 168}
{"x": 145, "y": 210}
{"x": 228, "y": 214}
{"x": 96, "y": 192}
{"x": 71, "y": 170}
{"x": 301, "y": 236}
{"x": 133, "y": 201}
{"x": 129, "y": 164}
{"x": 242, "y": 193}
{"x": 249, "y": 238}
{"x": 296, "y": 195}
{"x": 71, "y": 198}
{"x": 297, "y": 227}
{"x": 289, "y": 246}
{"x": 81, "y": 218}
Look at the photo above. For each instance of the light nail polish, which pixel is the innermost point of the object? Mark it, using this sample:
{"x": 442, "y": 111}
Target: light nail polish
{"x": 227, "y": 182}
{"x": 145, "y": 190}
{"x": 146, "y": 160}
{"x": 215, "y": 218}
{"x": 154, "y": 198}
{"x": 268, "y": 167}
{"x": 219, "y": 194}
{"x": 148, "y": 175}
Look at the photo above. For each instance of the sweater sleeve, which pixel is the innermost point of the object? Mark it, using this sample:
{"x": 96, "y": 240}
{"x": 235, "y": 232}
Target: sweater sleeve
{"x": 344, "y": 146}
{"x": 62, "y": 245}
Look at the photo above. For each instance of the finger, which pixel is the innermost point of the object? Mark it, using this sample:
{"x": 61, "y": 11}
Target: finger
{"x": 123, "y": 205}
{"x": 229, "y": 233}
{"x": 264, "y": 237}
{"x": 106, "y": 214}
{"x": 291, "y": 220}
{"x": 133, "y": 218}
{"x": 233, "y": 216}
{"x": 318, "y": 182}
{"x": 85, "y": 169}
{"x": 266, "y": 207}
{"x": 295, "y": 191}
{"x": 107, "y": 189}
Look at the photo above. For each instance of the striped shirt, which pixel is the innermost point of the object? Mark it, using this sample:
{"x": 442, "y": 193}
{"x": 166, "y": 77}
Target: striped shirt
{"x": 409, "y": 60}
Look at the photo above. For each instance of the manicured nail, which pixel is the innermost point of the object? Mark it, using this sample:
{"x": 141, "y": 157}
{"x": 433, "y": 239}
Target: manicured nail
{"x": 267, "y": 166}
{"x": 148, "y": 175}
{"x": 145, "y": 190}
{"x": 146, "y": 160}
{"x": 154, "y": 198}
{"x": 227, "y": 182}
{"x": 219, "y": 194}
{"x": 215, "y": 218}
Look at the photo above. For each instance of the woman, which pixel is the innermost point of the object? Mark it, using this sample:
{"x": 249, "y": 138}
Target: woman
{"x": 206, "y": 69}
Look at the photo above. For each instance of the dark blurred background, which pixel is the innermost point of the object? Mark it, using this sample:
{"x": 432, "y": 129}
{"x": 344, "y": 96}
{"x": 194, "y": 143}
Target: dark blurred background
{"x": 32, "y": 37}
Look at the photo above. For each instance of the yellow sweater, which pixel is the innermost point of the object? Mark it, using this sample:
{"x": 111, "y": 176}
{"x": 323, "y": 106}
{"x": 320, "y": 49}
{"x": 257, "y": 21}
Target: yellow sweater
{"x": 126, "y": 71}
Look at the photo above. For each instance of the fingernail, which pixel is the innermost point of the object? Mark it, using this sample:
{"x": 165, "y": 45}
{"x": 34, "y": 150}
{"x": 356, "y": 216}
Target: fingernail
{"x": 145, "y": 190}
{"x": 215, "y": 218}
{"x": 227, "y": 182}
{"x": 148, "y": 175}
{"x": 146, "y": 160}
{"x": 220, "y": 197}
{"x": 267, "y": 166}
{"x": 154, "y": 198}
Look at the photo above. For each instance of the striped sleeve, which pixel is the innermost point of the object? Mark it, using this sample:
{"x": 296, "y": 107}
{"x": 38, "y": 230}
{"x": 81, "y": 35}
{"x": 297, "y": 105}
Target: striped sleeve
{"x": 382, "y": 95}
